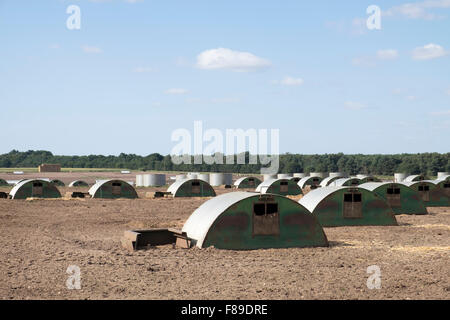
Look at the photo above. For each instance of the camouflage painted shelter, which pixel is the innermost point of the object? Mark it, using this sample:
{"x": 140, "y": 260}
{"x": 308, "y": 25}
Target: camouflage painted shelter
{"x": 247, "y": 183}
{"x": 311, "y": 181}
{"x": 34, "y": 188}
{"x": 348, "y": 206}
{"x": 328, "y": 180}
{"x": 3, "y": 182}
{"x": 431, "y": 194}
{"x": 113, "y": 189}
{"x": 191, "y": 188}
{"x": 284, "y": 187}
{"x": 247, "y": 220}
{"x": 401, "y": 198}
{"x": 367, "y": 178}
{"x": 416, "y": 177}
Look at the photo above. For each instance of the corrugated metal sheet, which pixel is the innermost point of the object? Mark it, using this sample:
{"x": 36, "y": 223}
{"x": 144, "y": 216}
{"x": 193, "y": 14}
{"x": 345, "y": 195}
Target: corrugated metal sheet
{"x": 314, "y": 197}
{"x": 198, "y": 224}
{"x": 340, "y": 182}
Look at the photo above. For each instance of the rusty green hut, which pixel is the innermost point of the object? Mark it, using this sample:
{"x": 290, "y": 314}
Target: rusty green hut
{"x": 248, "y": 220}
{"x": 348, "y": 206}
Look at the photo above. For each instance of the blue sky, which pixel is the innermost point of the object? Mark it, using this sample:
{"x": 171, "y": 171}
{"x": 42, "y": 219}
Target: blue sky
{"x": 138, "y": 70}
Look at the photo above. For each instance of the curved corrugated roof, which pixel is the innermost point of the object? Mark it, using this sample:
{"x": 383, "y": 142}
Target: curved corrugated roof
{"x": 100, "y": 183}
{"x": 304, "y": 180}
{"x": 412, "y": 177}
{"x": 266, "y": 184}
{"x": 21, "y": 183}
{"x": 178, "y": 183}
{"x": 201, "y": 220}
{"x": 314, "y": 197}
{"x": 411, "y": 183}
{"x": 371, "y": 186}
{"x": 340, "y": 182}
{"x": 325, "y": 182}
{"x": 77, "y": 181}
{"x": 240, "y": 180}
{"x": 445, "y": 177}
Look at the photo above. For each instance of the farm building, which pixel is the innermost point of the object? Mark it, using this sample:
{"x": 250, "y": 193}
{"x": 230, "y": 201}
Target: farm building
{"x": 348, "y": 206}
{"x": 45, "y": 167}
{"x": 3, "y": 182}
{"x": 328, "y": 180}
{"x": 283, "y": 187}
{"x": 365, "y": 178}
{"x": 34, "y": 188}
{"x": 78, "y": 183}
{"x": 113, "y": 189}
{"x": 58, "y": 183}
{"x": 191, "y": 188}
{"x": 346, "y": 182}
{"x": 245, "y": 221}
{"x": 414, "y": 178}
{"x": 431, "y": 194}
{"x": 312, "y": 181}
{"x": 444, "y": 188}
{"x": 401, "y": 198}
{"x": 247, "y": 183}
{"x": 295, "y": 179}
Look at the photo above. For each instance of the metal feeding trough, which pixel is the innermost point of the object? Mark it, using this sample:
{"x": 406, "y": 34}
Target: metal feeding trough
{"x": 144, "y": 239}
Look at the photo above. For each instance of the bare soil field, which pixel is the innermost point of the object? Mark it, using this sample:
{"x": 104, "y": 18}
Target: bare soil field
{"x": 41, "y": 238}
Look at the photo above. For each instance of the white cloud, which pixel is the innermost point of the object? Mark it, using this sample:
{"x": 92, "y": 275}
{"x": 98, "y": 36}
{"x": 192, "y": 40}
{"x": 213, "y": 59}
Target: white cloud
{"x": 222, "y": 58}
{"x": 291, "y": 81}
{"x": 176, "y": 91}
{"x": 388, "y": 54}
{"x": 429, "y": 51}
{"x": 55, "y": 46}
{"x": 352, "y": 105}
{"x": 418, "y": 10}
{"x": 411, "y": 98}
{"x": 90, "y": 49}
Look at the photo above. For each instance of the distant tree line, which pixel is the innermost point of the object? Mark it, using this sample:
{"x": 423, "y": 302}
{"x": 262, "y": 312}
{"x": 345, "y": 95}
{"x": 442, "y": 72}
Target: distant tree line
{"x": 427, "y": 163}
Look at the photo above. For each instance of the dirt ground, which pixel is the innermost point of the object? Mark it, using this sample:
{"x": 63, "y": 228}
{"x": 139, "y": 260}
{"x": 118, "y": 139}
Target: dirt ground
{"x": 40, "y": 239}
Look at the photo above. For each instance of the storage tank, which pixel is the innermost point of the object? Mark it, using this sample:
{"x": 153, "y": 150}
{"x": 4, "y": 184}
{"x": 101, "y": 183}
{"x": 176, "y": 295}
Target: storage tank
{"x": 284, "y": 176}
{"x": 204, "y": 177}
{"x": 399, "y": 177}
{"x": 192, "y": 175}
{"x": 216, "y": 179}
{"x": 270, "y": 176}
{"x": 154, "y": 180}
{"x": 139, "y": 180}
{"x": 299, "y": 175}
{"x": 180, "y": 177}
{"x": 227, "y": 178}
{"x": 317, "y": 174}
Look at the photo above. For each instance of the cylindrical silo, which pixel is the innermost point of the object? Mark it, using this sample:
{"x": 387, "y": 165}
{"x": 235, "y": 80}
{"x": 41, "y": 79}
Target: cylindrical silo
{"x": 139, "y": 180}
{"x": 227, "y": 178}
{"x": 216, "y": 179}
{"x": 181, "y": 177}
{"x": 336, "y": 175}
{"x": 399, "y": 177}
{"x": 284, "y": 176}
{"x": 204, "y": 177}
{"x": 161, "y": 179}
{"x": 299, "y": 175}
{"x": 192, "y": 175}
{"x": 317, "y": 174}
{"x": 270, "y": 176}
{"x": 440, "y": 175}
